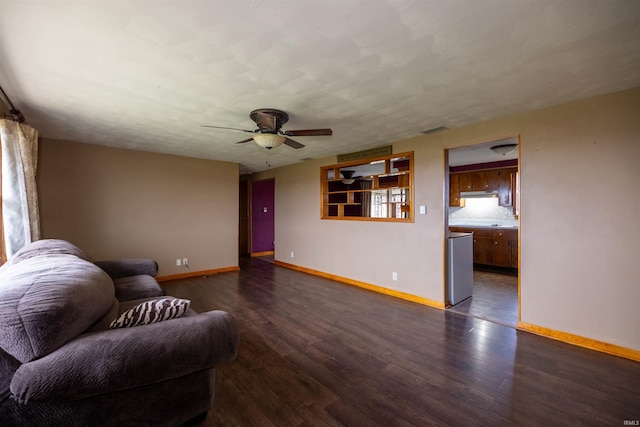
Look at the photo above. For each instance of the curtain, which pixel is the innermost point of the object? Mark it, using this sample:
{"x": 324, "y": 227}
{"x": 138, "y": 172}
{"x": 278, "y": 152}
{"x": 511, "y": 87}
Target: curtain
{"x": 366, "y": 198}
{"x": 20, "y": 219}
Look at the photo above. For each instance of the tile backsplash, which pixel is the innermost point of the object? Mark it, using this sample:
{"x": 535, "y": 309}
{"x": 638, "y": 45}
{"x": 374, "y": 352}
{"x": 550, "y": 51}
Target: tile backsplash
{"x": 484, "y": 208}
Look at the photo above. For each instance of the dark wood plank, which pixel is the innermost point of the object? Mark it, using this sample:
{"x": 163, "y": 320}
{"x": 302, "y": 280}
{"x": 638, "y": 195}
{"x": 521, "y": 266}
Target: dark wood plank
{"x": 320, "y": 353}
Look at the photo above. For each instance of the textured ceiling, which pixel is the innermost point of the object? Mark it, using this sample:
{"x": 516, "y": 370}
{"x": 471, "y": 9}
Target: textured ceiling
{"x": 146, "y": 74}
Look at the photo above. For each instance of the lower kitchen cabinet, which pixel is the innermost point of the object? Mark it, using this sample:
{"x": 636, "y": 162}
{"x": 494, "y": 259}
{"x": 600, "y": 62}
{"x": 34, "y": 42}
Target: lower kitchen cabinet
{"x": 497, "y": 247}
{"x": 482, "y": 246}
{"x": 503, "y": 243}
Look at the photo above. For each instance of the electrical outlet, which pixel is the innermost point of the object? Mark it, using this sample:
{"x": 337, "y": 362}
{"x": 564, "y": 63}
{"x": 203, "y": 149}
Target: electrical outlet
{"x": 394, "y": 275}
{"x": 185, "y": 262}
{"x": 291, "y": 254}
{"x": 178, "y": 262}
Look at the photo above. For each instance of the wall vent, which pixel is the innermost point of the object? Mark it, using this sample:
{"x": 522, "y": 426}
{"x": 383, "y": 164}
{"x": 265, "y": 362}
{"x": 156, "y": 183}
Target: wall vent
{"x": 434, "y": 130}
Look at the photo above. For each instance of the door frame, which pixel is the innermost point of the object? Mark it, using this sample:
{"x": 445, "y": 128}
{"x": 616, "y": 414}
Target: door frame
{"x": 516, "y": 198}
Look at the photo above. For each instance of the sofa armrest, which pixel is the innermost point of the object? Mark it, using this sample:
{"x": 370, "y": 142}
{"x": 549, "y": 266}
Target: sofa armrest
{"x": 121, "y": 359}
{"x": 117, "y": 268}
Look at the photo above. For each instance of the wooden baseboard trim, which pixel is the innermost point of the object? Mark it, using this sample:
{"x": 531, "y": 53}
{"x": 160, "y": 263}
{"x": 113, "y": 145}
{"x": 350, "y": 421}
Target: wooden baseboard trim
{"x": 262, "y": 253}
{"x": 196, "y": 273}
{"x": 578, "y": 340}
{"x": 368, "y": 286}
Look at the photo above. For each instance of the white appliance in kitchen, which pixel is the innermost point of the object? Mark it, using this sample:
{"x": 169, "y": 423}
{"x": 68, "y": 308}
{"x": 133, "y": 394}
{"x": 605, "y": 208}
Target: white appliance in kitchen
{"x": 460, "y": 267}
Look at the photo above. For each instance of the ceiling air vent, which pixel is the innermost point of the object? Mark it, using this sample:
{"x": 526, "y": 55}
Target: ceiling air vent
{"x": 434, "y": 130}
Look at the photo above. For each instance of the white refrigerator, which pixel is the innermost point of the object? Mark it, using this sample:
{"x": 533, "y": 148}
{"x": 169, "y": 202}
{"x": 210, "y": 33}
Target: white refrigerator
{"x": 460, "y": 267}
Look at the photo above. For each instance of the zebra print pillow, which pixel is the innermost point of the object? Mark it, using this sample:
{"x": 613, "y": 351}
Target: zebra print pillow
{"x": 151, "y": 312}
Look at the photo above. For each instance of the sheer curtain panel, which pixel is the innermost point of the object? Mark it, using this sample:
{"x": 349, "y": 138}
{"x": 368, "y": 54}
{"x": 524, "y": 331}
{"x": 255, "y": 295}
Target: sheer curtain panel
{"x": 20, "y": 219}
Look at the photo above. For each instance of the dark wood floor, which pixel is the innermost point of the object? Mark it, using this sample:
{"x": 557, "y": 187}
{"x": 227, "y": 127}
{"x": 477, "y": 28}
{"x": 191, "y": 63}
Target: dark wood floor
{"x": 495, "y": 298}
{"x": 319, "y": 353}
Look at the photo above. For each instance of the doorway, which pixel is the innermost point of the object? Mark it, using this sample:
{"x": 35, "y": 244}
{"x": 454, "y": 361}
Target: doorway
{"x": 243, "y": 217}
{"x": 263, "y": 217}
{"x": 482, "y": 198}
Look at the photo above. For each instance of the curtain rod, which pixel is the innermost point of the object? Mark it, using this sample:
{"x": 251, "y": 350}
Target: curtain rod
{"x": 14, "y": 113}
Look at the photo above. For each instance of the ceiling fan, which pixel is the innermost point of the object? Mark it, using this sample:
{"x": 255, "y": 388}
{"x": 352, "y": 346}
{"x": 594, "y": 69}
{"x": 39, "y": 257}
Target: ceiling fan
{"x": 268, "y": 134}
{"x": 348, "y": 178}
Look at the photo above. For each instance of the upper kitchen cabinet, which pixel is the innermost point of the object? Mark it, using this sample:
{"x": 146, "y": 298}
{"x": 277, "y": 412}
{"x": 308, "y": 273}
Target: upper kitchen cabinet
{"x": 488, "y": 180}
{"x": 506, "y": 187}
{"x": 500, "y": 181}
{"x": 454, "y": 189}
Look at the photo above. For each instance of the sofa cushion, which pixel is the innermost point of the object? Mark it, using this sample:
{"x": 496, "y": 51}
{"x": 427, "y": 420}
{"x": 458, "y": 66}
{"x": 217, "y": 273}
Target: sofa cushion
{"x": 117, "y": 268}
{"x": 152, "y": 312}
{"x": 46, "y": 301}
{"x": 137, "y": 287}
{"x": 103, "y": 323}
{"x": 48, "y": 247}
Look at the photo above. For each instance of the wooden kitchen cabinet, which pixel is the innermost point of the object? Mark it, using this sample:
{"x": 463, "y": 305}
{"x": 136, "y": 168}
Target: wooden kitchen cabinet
{"x": 483, "y": 246}
{"x": 502, "y": 256}
{"x": 470, "y": 181}
{"x": 454, "y": 189}
{"x": 488, "y": 180}
{"x": 500, "y": 180}
{"x": 491, "y": 246}
{"x": 506, "y": 189}
{"x": 491, "y": 180}
{"x": 477, "y": 181}
{"x": 464, "y": 181}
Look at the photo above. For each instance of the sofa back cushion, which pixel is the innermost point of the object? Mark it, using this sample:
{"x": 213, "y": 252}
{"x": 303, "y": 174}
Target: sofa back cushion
{"x": 48, "y": 300}
{"x": 48, "y": 247}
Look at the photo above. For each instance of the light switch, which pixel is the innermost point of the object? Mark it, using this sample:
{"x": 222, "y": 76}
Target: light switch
{"x": 423, "y": 210}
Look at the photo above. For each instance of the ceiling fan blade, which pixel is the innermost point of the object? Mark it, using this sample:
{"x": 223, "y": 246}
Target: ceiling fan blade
{"x": 244, "y": 140}
{"x": 308, "y": 132}
{"x": 222, "y": 127}
{"x": 267, "y": 120}
{"x": 293, "y": 144}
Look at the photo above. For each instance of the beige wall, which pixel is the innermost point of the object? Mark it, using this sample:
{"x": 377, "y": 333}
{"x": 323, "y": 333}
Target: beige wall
{"x": 117, "y": 203}
{"x": 579, "y": 225}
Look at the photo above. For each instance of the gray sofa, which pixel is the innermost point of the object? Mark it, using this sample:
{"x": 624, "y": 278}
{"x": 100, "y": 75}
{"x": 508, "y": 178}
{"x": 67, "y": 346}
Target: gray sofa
{"x": 62, "y": 365}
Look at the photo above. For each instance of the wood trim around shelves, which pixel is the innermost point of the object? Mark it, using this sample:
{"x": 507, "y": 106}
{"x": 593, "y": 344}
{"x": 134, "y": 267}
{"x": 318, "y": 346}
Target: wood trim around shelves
{"x": 403, "y": 170}
{"x": 578, "y": 340}
{"x": 196, "y": 273}
{"x": 368, "y": 286}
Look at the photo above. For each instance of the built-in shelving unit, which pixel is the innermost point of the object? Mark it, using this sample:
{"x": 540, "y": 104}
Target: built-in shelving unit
{"x": 379, "y": 189}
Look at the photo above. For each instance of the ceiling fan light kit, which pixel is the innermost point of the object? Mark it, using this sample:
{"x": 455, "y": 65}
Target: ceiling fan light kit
{"x": 348, "y": 177}
{"x": 268, "y": 140}
{"x": 504, "y": 148}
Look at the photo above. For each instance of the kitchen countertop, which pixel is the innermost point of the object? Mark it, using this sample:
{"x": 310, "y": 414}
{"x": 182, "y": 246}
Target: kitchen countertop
{"x": 501, "y": 227}
{"x": 501, "y": 224}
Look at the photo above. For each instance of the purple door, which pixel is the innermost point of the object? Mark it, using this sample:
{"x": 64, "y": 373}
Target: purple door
{"x": 262, "y": 215}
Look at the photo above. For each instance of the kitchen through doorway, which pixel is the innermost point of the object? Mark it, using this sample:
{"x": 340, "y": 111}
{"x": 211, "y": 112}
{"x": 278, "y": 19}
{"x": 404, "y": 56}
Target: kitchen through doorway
{"x": 482, "y": 183}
